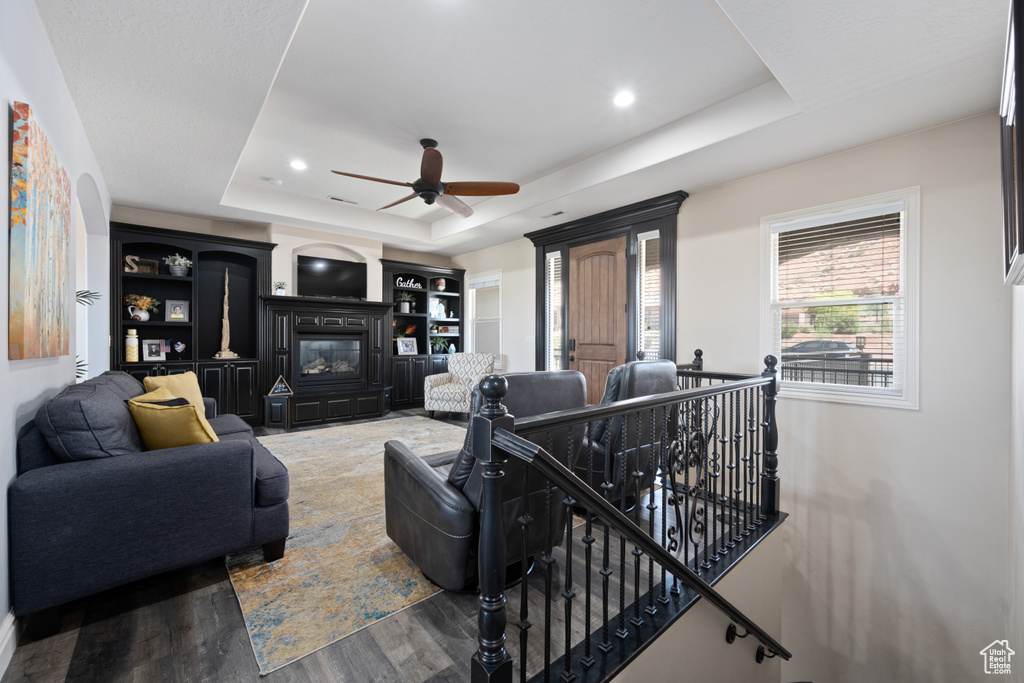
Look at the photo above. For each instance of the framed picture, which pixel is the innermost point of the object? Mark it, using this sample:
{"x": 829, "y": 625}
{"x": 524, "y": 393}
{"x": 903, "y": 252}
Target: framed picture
{"x": 1012, "y": 152}
{"x": 406, "y": 346}
{"x": 176, "y": 310}
{"x": 153, "y": 349}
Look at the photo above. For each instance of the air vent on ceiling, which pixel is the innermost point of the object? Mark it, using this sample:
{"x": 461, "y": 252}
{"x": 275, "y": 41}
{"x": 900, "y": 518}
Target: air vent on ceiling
{"x": 341, "y": 199}
{"x": 552, "y": 215}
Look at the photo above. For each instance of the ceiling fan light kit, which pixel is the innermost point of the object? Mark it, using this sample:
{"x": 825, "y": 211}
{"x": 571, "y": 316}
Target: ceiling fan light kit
{"x": 430, "y": 189}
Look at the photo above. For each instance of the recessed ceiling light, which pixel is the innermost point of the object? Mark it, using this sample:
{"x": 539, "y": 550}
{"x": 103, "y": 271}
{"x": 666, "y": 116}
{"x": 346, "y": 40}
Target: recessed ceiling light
{"x": 624, "y": 98}
{"x": 299, "y": 165}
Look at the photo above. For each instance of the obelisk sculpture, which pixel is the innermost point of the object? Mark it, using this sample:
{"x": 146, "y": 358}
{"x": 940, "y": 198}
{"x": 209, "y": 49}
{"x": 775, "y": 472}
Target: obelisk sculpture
{"x": 225, "y": 327}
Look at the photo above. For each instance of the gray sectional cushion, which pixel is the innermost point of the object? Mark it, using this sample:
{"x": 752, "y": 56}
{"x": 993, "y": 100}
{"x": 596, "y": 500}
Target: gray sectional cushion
{"x": 229, "y": 424}
{"x": 88, "y": 421}
{"x": 271, "y": 474}
{"x": 121, "y": 383}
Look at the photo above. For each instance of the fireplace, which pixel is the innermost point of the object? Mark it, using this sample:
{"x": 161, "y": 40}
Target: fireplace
{"x": 333, "y": 353}
{"x": 329, "y": 359}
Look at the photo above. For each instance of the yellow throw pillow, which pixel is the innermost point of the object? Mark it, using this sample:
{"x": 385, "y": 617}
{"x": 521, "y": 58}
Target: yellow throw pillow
{"x": 158, "y": 394}
{"x": 166, "y": 422}
{"x": 185, "y": 385}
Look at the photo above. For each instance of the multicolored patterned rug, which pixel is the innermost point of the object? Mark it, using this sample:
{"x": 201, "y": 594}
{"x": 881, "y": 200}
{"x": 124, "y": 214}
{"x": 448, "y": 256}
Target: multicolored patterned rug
{"x": 340, "y": 571}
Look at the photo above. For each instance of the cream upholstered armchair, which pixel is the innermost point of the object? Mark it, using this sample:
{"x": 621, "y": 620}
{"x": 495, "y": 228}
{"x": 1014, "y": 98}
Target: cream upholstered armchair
{"x": 451, "y": 391}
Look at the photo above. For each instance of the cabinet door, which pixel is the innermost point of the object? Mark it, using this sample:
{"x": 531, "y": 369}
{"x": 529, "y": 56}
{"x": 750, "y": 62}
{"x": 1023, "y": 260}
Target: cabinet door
{"x": 419, "y": 373}
{"x": 213, "y": 381}
{"x": 242, "y": 392}
{"x": 401, "y": 379}
{"x": 438, "y": 364}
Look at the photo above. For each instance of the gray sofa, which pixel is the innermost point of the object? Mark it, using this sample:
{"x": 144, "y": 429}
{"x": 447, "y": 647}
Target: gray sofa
{"x": 90, "y": 509}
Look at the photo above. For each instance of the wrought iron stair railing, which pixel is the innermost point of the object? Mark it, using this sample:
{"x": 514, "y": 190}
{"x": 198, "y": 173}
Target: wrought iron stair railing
{"x": 718, "y": 434}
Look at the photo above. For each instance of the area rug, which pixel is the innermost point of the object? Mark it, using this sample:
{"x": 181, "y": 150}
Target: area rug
{"x": 340, "y": 572}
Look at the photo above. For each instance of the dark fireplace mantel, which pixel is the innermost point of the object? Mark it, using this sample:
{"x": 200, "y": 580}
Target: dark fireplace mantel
{"x": 357, "y": 386}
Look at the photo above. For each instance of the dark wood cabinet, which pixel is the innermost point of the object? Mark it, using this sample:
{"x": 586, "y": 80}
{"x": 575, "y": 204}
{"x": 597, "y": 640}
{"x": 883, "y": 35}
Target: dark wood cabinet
{"x": 407, "y": 373}
{"x": 438, "y": 364}
{"x": 432, "y": 316}
{"x": 300, "y": 326}
{"x": 236, "y": 384}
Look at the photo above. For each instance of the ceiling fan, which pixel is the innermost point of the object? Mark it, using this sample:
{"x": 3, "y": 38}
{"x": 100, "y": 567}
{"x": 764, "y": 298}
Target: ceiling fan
{"x": 430, "y": 188}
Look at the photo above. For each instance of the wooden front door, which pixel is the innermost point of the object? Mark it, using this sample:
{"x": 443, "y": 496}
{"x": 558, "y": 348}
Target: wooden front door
{"x": 597, "y": 311}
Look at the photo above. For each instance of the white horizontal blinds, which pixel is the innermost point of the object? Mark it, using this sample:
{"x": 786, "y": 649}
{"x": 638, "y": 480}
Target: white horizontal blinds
{"x": 486, "y": 295}
{"x": 649, "y": 295}
{"x": 838, "y": 301}
{"x": 553, "y": 309}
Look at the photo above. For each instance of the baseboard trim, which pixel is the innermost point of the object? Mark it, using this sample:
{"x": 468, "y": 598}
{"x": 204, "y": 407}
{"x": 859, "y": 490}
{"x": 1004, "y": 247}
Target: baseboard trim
{"x": 8, "y": 641}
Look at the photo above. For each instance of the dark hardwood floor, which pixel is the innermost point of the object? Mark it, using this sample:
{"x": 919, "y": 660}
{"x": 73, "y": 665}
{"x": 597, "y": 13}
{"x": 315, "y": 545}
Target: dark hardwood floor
{"x": 186, "y": 625}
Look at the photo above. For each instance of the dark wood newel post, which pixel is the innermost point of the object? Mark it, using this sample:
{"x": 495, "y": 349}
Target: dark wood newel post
{"x": 491, "y": 662}
{"x": 770, "y": 470}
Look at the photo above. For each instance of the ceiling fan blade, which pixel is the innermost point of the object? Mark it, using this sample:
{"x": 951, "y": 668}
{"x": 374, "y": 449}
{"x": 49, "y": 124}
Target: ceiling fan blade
{"x": 376, "y": 180}
{"x": 403, "y": 199}
{"x": 455, "y": 205}
{"x": 430, "y": 166}
{"x": 480, "y": 189}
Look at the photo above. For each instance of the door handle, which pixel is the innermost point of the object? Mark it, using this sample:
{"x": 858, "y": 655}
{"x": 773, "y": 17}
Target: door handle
{"x": 571, "y": 358}
{"x": 572, "y": 344}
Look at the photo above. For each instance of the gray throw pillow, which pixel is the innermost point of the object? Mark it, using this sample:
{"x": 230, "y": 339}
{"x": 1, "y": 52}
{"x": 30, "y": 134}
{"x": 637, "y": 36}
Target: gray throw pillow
{"x": 88, "y": 421}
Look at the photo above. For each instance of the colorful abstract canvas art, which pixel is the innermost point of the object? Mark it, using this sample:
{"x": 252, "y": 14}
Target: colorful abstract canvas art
{"x": 40, "y": 302}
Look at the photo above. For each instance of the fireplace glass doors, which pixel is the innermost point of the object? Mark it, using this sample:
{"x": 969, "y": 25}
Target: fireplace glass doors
{"x": 329, "y": 360}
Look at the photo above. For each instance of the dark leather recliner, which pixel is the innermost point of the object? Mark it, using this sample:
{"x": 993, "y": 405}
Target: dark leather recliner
{"x": 632, "y": 380}
{"x": 431, "y": 503}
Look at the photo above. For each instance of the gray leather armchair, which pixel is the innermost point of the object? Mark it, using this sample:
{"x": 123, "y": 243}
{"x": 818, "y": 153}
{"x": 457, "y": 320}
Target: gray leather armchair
{"x": 431, "y": 503}
{"x": 632, "y": 380}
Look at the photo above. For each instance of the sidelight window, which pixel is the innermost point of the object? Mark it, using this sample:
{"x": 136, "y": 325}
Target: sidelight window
{"x": 553, "y": 309}
{"x": 648, "y": 292}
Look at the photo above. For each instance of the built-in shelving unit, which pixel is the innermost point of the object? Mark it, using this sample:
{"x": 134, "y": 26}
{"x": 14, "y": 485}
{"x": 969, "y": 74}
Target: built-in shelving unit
{"x": 433, "y": 318}
{"x": 236, "y": 383}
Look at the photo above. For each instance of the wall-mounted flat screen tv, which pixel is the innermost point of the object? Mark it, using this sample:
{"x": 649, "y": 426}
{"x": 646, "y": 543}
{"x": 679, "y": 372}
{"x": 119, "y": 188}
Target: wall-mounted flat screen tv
{"x": 330, "y": 278}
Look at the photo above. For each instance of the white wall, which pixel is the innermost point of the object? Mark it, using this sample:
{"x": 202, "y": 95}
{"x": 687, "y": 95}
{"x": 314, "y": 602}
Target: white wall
{"x": 1015, "y": 585}
{"x": 896, "y": 547}
{"x": 290, "y": 240}
{"x": 694, "y": 647}
{"x": 293, "y": 241}
{"x": 419, "y": 257}
{"x": 515, "y": 260}
{"x": 29, "y": 73}
{"x": 207, "y": 226}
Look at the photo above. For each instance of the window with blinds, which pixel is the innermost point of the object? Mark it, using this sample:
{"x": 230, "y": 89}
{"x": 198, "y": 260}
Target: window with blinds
{"x": 648, "y": 294}
{"x": 841, "y": 310}
{"x": 553, "y": 309}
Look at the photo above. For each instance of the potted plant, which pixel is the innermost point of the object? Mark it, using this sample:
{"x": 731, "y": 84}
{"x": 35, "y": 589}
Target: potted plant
{"x": 405, "y": 300}
{"x": 139, "y": 306}
{"x": 439, "y": 344}
{"x": 279, "y": 287}
{"x": 178, "y": 264}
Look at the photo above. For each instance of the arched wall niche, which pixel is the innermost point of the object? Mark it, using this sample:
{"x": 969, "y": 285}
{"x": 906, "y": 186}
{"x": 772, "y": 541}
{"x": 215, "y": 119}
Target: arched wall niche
{"x": 97, "y": 258}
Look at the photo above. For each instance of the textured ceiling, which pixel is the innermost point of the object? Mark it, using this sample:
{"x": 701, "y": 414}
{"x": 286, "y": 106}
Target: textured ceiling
{"x": 191, "y": 105}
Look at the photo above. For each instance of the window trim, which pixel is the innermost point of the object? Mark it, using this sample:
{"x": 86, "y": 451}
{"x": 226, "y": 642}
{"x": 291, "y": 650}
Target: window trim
{"x": 910, "y": 253}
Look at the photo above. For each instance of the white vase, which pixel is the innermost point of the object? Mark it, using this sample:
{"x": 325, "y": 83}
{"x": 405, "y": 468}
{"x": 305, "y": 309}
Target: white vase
{"x": 403, "y": 306}
{"x": 138, "y": 314}
{"x": 279, "y": 292}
